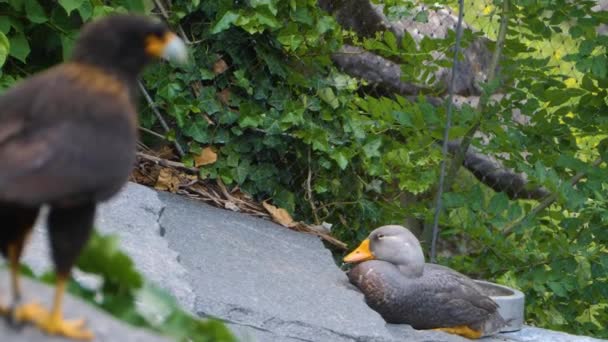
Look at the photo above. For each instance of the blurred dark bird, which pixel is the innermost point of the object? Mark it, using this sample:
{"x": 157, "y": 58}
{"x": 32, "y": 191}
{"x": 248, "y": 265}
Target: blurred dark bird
{"x": 67, "y": 139}
{"x": 403, "y": 289}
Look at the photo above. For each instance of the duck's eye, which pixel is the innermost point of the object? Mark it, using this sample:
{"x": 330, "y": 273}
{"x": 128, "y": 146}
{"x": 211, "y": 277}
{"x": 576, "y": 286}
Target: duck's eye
{"x": 380, "y": 236}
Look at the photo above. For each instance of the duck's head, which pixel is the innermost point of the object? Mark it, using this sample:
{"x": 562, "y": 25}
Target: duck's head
{"x": 393, "y": 244}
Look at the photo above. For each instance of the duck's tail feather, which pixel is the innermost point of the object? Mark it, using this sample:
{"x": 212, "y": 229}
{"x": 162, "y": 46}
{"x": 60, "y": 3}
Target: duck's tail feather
{"x": 492, "y": 325}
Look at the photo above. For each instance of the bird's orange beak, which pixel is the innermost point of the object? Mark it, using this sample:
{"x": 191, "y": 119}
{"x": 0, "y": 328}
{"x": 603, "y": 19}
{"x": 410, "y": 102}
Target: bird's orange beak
{"x": 169, "y": 47}
{"x": 362, "y": 253}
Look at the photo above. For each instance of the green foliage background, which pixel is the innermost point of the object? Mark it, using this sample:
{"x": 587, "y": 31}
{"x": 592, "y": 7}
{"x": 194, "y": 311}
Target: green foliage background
{"x": 299, "y": 131}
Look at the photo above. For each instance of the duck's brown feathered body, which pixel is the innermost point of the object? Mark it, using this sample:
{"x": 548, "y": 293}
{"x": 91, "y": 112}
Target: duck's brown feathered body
{"x": 439, "y": 298}
{"x": 404, "y": 290}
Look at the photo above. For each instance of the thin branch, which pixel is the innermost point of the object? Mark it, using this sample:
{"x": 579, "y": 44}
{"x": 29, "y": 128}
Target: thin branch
{"x": 160, "y": 118}
{"x": 468, "y": 137}
{"x": 167, "y": 163}
{"x": 332, "y": 204}
{"x": 459, "y": 156}
{"x": 165, "y": 14}
{"x": 309, "y": 196}
{"x": 546, "y": 202}
{"x": 446, "y": 131}
{"x": 151, "y": 132}
{"x": 162, "y": 9}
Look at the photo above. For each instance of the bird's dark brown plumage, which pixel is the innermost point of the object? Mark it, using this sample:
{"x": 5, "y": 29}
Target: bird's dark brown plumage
{"x": 70, "y": 137}
{"x": 67, "y": 139}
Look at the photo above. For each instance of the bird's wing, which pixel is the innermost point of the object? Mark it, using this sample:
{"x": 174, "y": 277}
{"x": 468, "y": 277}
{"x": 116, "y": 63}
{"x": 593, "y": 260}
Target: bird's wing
{"x": 62, "y": 141}
{"x": 460, "y": 300}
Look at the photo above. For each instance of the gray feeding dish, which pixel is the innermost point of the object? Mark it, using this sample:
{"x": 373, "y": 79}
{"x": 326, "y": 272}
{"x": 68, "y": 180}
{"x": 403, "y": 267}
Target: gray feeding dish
{"x": 510, "y": 302}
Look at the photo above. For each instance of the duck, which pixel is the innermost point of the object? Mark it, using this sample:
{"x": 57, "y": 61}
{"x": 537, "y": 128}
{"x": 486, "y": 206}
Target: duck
{"x": 396, "y": 282}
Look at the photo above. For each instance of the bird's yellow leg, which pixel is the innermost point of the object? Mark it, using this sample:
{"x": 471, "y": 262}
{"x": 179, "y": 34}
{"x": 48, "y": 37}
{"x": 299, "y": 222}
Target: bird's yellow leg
{"x": 54, "y": 324}
{"x": 3, "y": 310}
{"x": 27, "y": 312}
{"x": 462, "y": 330}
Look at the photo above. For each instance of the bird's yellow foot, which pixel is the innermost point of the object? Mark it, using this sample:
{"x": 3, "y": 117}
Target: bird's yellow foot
{"x": 3, "y": 310}
{"x": 56, "y": 325}
{"x": 30, "y": 312}
{"x": 51, "y": 324}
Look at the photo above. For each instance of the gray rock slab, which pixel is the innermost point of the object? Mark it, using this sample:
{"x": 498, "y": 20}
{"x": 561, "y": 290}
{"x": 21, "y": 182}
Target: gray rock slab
{"x": 132, "y": 215}
{"x": 254, "y": 273}
{"x": 532, "y": 334}
{"x": 266, "y": 282}
{"x": 101, "y": 324}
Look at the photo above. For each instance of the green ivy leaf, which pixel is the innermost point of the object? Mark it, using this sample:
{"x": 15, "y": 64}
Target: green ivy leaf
{"x": 242, "y": 171}
{"x": 270, "y": 4}
{"x": 4, "y": 48}
{"x": 228, "y": 19}
{"x": 327, "y": 94}
{"x": 341, "y": 159}
{"x": 599, "y": 66}
{"x": 290, "y": 37}
{"x": 422, "y": 17}
{"x": 242, "y": 81}
{"x": 102, "y": 11}
{"x": 67, "y": 44}
{"x": 390, "y": 40}
{"x": 140, "y": 6}
{"x": 372, "y": 147}
{"x": 101, "y": 256}
{"x": 35, "y": 12}
{"x": 85, "y": 11}
{"x": 325, "y": 24}
{"x": 5, "y": 24}
{"x": 209, "y": 102}
{"x": 498, "y": 204}
{"x": 197, "y": 129}
{"x": 303, "y": 15}
{"x": 20, "y": 47}
{"x": 70, "y": 5}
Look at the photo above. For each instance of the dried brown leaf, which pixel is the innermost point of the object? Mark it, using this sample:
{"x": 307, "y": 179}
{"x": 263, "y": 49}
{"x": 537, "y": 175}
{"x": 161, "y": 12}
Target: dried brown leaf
{"x": 138, "y": 176}
{"x": 207, "y": 156}
{"x": 279, "y": 215}
{"x": 167, "y": 180}
{"x": 165, "y": 152}
{"x": 231, "y": 206}
{"x": 220, "y": 66}
{"x": 196, "y": 87}
{"x": 224, "y": 96}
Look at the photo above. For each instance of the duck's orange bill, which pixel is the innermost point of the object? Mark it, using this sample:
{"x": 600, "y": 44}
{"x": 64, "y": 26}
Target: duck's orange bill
{"x": 362, "y": 253}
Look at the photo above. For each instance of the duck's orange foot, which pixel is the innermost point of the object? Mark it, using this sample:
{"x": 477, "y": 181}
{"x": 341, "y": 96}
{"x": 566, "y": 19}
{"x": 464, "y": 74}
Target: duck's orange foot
{"x": 56, "y": 325}
{"x": 462, "y": 330}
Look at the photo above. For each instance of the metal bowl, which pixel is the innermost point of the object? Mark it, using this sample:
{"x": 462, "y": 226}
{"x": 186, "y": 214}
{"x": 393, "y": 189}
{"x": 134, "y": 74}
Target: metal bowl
{"x": 510, "y": 301}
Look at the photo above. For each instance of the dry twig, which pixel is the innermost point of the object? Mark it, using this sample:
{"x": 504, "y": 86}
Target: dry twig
{"x": 160, "y": 118}
{"x": 508, "y": 230}
{"x": 166, "y": 163}
{"x": 218, "y": 195}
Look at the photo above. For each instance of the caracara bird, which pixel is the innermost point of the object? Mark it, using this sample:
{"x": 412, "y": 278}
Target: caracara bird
{"x": 67, "y": 140}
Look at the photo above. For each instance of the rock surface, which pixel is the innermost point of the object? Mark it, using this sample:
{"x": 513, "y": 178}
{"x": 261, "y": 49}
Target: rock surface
{"x": 103, "y": 325}
{"x": 267, "y": 282}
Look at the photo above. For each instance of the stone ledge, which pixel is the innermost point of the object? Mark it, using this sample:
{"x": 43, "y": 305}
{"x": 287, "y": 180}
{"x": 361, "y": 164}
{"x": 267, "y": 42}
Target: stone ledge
{"x": 105, "y": 327}
{"x": 267, "y": 282}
